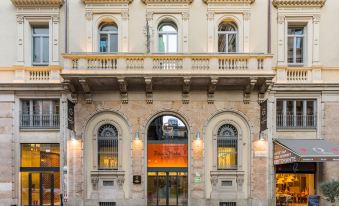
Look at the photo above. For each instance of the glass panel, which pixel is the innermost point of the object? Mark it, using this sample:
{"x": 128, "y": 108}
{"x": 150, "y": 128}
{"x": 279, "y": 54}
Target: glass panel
{"x": 25, "y": 188}
{"x": 167, "y": 28}
{"x": 109, "y": 27}
{"x": 289, "y": 113}
{"x": 294, "y": 188}
{"x": 167, "y": 127}
{"x": 103, "y": 42}
{"x": 310, "y": 107}
{"x": 37, "y": 56}
{"x": 40, "y": 155}
{"x": 113, "y": 43}
{"x": 172, "y": 188}
{"x": 299, "y": 113}
{"x": 162, "y": 45}
{"x": 279, "y": 107}
{"x": 182, "y": 188}
{"x": 45, "y": 51}
{"x": 299, "y": 50}
{"x": 162, "y": 188}
{"x": 40, "y": 30}
{"x": 172, "y": 43}
{"x": 152, "y": 189}
{"x": 108, "y": 147}
{"x": 290, "y": 50}
{"x": 221, "y": 42}
{"x": 226, "y": 157}
{"x": 226, "y": 27}
{"x": 232, "y": 43}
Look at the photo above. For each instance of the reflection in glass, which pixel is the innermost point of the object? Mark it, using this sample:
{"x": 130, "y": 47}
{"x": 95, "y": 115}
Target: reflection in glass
{"x": 167, "y": 38}
{"x": 227, "y": 37}
{"x": 40, "y": 155}
{"x": 108, "y": 35}
{"x": 166, "y": 128}
{"x": 227, "y": 145}
{"x": 108, "y": 147}
{"x": 40, "y": 39}
{"x": 295, "y": 50}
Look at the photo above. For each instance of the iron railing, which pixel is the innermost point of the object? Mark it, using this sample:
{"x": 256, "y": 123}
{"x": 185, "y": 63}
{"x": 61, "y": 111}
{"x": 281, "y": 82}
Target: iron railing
{"x": 296, "y": 121}
{"x": 39, "y": 121}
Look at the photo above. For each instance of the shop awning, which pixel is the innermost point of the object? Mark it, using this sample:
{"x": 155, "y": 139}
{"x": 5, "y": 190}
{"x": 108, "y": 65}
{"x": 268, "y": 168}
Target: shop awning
{"x": 304, "y": 150}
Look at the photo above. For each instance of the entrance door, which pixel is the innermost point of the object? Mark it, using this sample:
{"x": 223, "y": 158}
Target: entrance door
{"x": 39, "y": 189}
{"x": 167, "y": 188}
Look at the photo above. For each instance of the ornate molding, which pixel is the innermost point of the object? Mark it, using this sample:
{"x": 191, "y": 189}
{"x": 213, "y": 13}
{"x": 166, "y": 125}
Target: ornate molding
{"x": 167, "y": 1}
{"x": 298, "y": 3}
{"x": 37, "y": 3}
{"x": 228, "y": 1}
{"x": 107, "y": 1}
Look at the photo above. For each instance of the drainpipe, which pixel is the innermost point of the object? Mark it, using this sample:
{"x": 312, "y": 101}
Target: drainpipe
{"x": 269, "y": 26}
{"x": 66, "y": 26}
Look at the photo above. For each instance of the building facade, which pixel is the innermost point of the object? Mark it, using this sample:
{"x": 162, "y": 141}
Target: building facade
{"x": 168, "y": 102}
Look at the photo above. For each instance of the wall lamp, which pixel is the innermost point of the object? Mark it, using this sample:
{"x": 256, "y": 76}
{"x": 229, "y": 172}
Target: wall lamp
{"x": 137, "y": 137}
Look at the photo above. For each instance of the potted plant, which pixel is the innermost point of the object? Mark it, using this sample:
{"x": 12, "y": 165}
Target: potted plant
{"x": 330, "y": 190}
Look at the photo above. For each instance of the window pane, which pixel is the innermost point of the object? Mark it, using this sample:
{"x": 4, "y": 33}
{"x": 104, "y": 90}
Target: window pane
{"x": 25, "y": 106}
{"x": 108, "y": 147}
{"x": 40, "y": 155}
{"x": 46, "y": 107}
{"x": 162, "y": 43}
{"x": 37, "y": 56}
{"x": 232, "y": 43}
{"x": 226, "y": 27}
{"x": 290, "y": 50}
{"x": 109, "y": 27}
{"x": 103, "y": 42}
{"x": 299, "y": 50}
{"x": 40, "y": 30}
{"x": 45, "y": 47}
{"x": 113, "y": 42}
{"x": 310, "y": 108}
{"x": 36, "y": 106}
{"x": 172, "y": 43}
{"x": 221, "y": 42}
{"x": 289, "y": 107}
{"x": 168, "y": 28}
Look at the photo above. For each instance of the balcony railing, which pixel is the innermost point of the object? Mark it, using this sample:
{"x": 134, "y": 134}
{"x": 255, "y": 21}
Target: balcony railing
{"x": 296, "y": 121}
{"x": 45, "y": 121}
{"x": 167, "y": 63}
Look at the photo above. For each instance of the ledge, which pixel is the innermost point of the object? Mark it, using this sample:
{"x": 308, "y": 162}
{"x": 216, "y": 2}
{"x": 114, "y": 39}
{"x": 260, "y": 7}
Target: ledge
{"x": 167, "y": 1}
{"x": 107, "y": 1}
{"x": 228, "y": 1}
{"x": 298, "y": 3}
{"x": 38, "y": 3}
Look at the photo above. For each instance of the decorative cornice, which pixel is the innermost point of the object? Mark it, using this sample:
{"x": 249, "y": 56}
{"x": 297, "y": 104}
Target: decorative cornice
{"x": 298, "y": 3}
{"x": 228, "y": 1}
{"x": 167, "y": 1}
{"x": 38, "y": 3}
{"x": 107, "y": 1}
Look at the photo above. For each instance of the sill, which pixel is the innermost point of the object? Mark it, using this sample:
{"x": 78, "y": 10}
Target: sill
{"x": 39, "y": 129}
{"x": 296, "y": 65}
{"x": 296, "y": 129}
{"x": 40, "y": 65}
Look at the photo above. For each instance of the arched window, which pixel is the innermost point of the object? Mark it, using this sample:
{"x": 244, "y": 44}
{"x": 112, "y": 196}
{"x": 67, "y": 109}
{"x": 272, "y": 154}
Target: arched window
{"x": 108, "y": 147}
{"x": 227, "y": 147}
{"x": 227, "y": 37}
{"x": 108, "y": 37}
{"x": 168, "y": 37}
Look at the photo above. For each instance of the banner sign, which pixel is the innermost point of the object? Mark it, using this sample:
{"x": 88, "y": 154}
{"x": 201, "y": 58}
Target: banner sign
{"x": 70, "y": 115}
{"x": 283, "y": 155}
{"x": 167, "y": 155}
{"x": 263, "y": 116}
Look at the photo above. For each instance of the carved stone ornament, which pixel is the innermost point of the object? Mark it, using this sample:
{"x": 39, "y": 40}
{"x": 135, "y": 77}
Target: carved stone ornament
{"x": 120, "y": 181}
{"x": 214, "y": 180}
{"x": 167, "y": 1}
{"x": 38, "y": 3}
{"x": 20, "y": 19}
{"x": 229, "y": 1}
{"x": 107, "y": 1}
{"x": 95, "y": 180}
{"x": 298, "y": 3}
{"x": 281, "y": 19}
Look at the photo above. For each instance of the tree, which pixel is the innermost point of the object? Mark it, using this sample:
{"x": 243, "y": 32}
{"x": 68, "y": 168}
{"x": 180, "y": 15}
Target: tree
{"x": 330, "y": 190}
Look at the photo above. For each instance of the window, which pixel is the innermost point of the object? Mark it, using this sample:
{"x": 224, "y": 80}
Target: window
{"x": 168, "y": 37}
{"x": 227, "y": 37}
{"x": 108, "y": 38}
{"x": 40, "y": 41}
{"x": 108, "y": 147}
{"x": 227, "y": 147}
{"x": 37, "y": 113}
{"x": 295, "y": 45}
{"x": 296, "y": 113}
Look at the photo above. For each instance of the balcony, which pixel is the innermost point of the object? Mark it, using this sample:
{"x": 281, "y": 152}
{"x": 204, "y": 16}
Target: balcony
{"x": 33, "y": 121}
{"x": 296, "y": 121}
{"x": 88, "y": 72}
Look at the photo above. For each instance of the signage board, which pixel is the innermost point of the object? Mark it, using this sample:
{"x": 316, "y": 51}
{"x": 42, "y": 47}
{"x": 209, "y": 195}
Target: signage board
{"x": 70, "y": 115}
{"x": 283, "y": 155}
{"x": 167, "y": 155}
{"x": 137, "y": 179}
{"x": 313, "y": 200}
{"x": 263, "y": 116}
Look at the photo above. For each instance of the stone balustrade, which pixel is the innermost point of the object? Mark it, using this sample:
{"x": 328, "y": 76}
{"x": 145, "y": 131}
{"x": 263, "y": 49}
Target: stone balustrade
{"x": 43, "y": 74}
{"x": 299, "y": 75}
{"x": 87, "y": 63}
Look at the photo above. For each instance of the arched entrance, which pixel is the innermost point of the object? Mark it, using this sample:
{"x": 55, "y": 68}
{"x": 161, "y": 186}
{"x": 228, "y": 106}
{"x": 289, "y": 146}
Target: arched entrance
{"x": 167, "y": 162}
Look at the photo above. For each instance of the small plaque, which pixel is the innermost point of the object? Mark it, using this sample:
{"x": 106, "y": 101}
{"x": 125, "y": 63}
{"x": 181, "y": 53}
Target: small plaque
{"x": 137, "y": 179}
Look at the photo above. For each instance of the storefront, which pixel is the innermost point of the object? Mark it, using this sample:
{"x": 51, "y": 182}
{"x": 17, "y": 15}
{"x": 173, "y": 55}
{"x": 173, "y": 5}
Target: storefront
{"x": 167, "y": 162}
{"x": 296, "y": 168}
{"x": 40, "y": 174}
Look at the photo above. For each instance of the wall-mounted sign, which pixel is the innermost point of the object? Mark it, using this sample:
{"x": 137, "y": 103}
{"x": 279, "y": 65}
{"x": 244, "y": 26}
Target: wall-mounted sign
{"x": 70, "y": 115}
{"x": 263, "y": 116}
{"x": 313, "y": 200}
{"x": 137, "y": 179}
{"x": 167, "y": 155}
{"x": 283, "y": 155}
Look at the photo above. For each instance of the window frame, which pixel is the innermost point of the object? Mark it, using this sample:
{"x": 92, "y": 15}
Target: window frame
{"x": 236, "y": 146}
{"x": 41, "y": 38}
{"x": 108, "y": 33}
{"x": 295, "y": 36}
{"x": 167, "y": 34}
{"x": 117, "y": 152}
{"x": 227, "y": 34}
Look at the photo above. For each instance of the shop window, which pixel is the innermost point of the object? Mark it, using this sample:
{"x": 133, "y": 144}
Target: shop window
{"x": 227, "y": 37}
{"x": 296, "y": 45}
{"x": 37, "y": 113}
{"x": 296, "y": 113}
{"x": 168, "y": 37}
{"x": 40, "y": 42}
{"x": 108, "y": 37}
{"x": 227, "y": 147}
{"x": 108, "y": 147}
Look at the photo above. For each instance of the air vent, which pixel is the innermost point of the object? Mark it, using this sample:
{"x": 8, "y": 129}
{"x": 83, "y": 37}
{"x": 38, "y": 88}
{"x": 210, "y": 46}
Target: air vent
{"x": 226, "y": 183}
{"x": 107, "y": 204}
{"x": 227, "y": 204}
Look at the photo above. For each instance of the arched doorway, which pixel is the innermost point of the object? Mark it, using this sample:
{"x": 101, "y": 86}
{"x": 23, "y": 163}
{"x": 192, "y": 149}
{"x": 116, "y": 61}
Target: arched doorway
{"x": 167, "y": 162}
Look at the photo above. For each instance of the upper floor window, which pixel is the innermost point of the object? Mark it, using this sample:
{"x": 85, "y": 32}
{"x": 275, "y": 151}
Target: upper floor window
{"x": 108, "y": 37}
{"x": 108, "y": 147}
{"x": 296, "y": 113}
{"x": 227, "y": 37}
{"x": 227, "y": 147}
{"x": 40, "y": 42}
{"x": 36, "y": 113}
{"x": 295, "y": 45}
{"x": 168, "y": 37}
